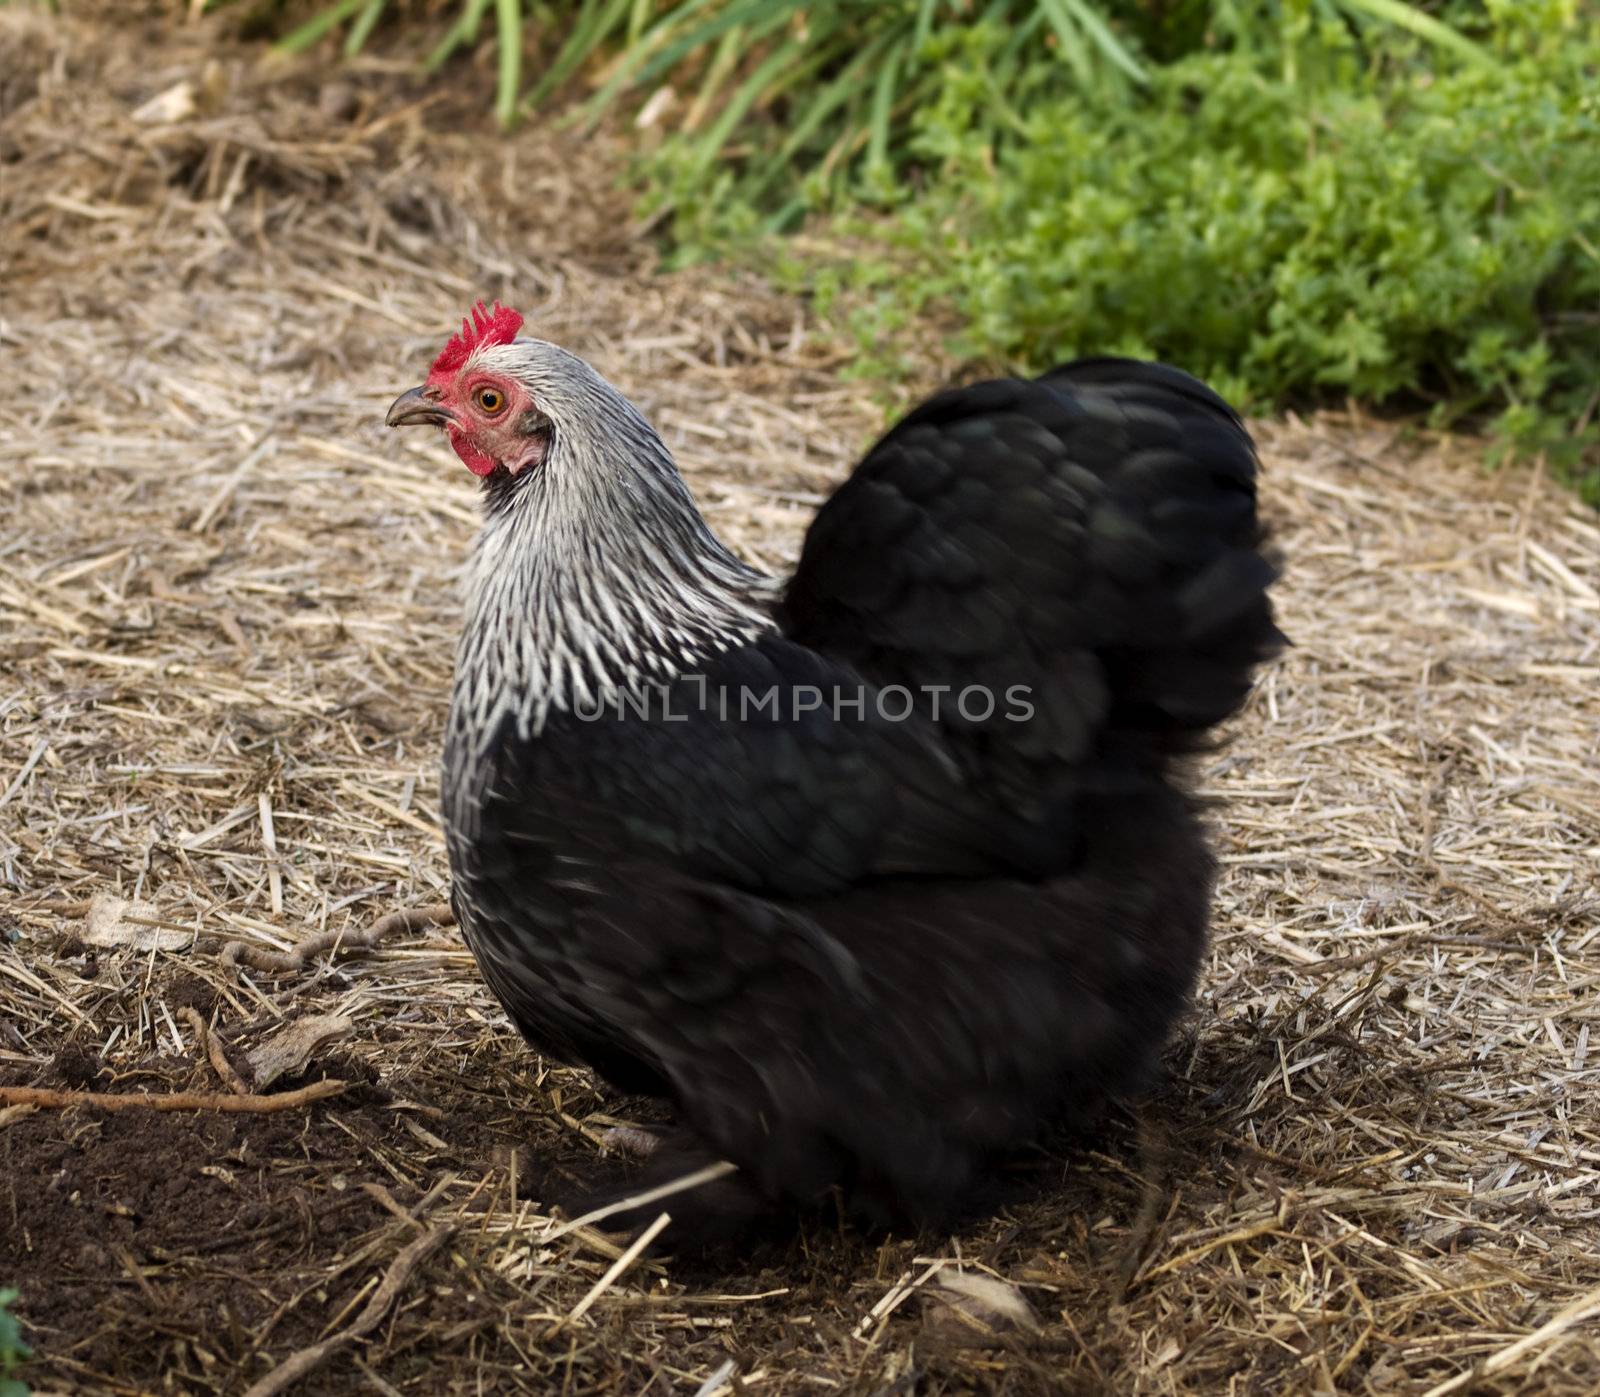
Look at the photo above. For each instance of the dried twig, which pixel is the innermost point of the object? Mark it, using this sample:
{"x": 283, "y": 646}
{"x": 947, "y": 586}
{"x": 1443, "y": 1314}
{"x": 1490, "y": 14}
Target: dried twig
{"x": 170, "y": 1100}
{"x": 395, "y": 1279}
{"x": 211, "y": 1046}
{"x": 362, "y": 939}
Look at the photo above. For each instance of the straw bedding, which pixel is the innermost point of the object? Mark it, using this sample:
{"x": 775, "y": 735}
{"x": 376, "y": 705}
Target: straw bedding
{"x": 227, "y": 613}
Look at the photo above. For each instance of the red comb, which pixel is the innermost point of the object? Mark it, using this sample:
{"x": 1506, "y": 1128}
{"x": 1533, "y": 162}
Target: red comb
{"x": 497, "y": 326}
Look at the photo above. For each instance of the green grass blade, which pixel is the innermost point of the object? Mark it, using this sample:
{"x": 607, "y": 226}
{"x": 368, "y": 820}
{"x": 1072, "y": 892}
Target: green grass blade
{"x": 463, "y": 31}
{"x": 1069, "y": 39}
{"x": 785, "y": 218}
{"x": 832, "y": 96}
{"x": 356, "y": 39}
{"x": 1099, "y": 32}
{"x": 314, "y": 29}
{"x": 840, "y": 153}
{"x": 722, "y": 64}
{"x": 883, "y": 107}
{"x": 641, "y": 65}
{"x": 508, "y": 16}
{"x": 592, "y": 29}
{"x": 441, "y": 53}
{"x": 770, "y": 77}
{"x": 762, "y": 16}
{"x": 1020, "y": 38}
{"x": 638, "y": 19}
{"x": 1424, "y": 26}
{"x": 637, "y": 54}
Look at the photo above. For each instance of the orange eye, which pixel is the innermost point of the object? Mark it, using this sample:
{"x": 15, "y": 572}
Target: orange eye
{"x": 490, "y": 400}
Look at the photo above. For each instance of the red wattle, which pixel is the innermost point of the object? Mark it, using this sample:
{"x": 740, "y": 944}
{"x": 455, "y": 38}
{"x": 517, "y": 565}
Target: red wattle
{"x": 478, "y": 462}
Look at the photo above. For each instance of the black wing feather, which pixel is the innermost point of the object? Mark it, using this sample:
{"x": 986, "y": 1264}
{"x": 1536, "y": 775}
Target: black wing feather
{"x": 1090, "y": 536}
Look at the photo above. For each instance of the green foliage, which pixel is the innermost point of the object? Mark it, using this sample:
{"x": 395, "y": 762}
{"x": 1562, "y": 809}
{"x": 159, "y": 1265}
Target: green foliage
{"x": 12, "y": 1349}
{"x": 845, "y": 76}
{"x": 1290, "y": 222}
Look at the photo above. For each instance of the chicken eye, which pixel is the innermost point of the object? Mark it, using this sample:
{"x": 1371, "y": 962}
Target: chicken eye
{"x": 490, "y": 400}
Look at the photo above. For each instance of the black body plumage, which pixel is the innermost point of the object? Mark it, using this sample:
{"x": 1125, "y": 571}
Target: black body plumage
{"x": 862, "y": 950}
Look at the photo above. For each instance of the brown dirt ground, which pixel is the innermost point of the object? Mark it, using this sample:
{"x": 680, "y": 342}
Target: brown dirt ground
{"x": 226, "y": 620}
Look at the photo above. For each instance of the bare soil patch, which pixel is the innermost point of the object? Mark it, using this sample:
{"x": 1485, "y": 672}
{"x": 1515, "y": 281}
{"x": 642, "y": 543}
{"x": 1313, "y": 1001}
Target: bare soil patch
{"x": 227, "y": 617}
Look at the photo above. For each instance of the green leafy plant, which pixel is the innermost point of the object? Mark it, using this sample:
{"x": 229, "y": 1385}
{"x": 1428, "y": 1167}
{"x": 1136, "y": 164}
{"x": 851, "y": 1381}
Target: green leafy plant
{"x": 1389, "y": 230}
{"x": 848, "y": 72}
{"x": 12, "y": 1349}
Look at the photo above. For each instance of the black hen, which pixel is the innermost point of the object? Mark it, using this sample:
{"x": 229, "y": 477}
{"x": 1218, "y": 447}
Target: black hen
{"x": 874, "y": 873}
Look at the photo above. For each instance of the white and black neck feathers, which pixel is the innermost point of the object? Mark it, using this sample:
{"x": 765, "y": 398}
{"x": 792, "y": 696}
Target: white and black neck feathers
{"x": 594, "y": 575}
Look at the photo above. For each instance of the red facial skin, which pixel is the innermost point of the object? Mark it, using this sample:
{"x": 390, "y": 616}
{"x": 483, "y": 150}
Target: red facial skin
{"x": 487, "y": 431}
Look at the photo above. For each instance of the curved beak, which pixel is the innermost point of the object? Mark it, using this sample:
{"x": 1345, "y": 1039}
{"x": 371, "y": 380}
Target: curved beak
{"x": 417, "y": 407}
